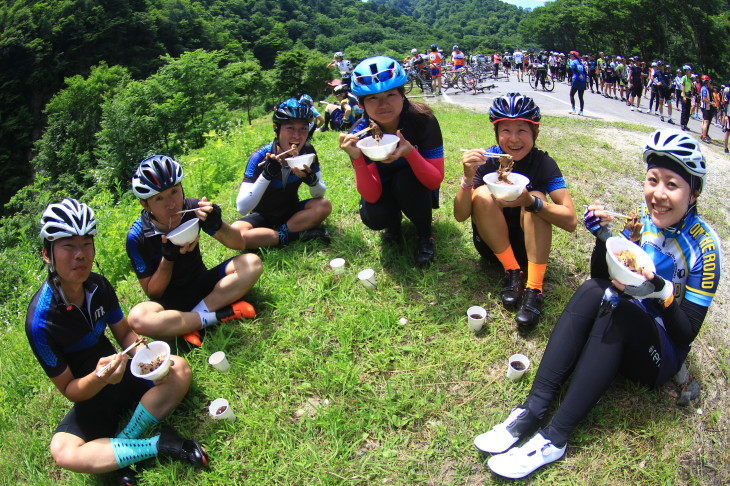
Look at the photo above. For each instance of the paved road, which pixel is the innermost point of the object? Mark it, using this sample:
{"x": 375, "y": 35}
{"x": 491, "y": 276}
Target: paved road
{"x": 557, "y": 103}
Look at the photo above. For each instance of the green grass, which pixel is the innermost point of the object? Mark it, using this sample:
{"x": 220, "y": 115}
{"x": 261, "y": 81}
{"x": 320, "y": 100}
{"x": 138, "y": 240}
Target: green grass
{"x": 327, "y": 384}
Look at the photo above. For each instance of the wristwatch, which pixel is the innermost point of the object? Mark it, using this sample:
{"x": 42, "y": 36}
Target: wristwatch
{"x": 536, "y": 205}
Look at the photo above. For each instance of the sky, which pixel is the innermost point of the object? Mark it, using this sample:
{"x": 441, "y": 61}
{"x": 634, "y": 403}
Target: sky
{"x": 526, "y": 3}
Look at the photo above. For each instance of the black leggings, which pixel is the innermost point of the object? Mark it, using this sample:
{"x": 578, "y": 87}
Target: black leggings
{"x": 574, "y": 90}
{"x": 686, "y": 107}
{"x": 402, "y": 193}
{"x": 594, "y": 350}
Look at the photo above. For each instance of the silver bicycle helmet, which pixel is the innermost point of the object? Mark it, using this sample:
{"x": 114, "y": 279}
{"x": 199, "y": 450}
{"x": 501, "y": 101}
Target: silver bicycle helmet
{"x": 681, "y": 148}
{"x": 154, "y": 175}
{"x": 65, "y": 219}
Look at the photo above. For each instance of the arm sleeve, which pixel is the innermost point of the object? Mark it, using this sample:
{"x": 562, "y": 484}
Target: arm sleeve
{"x": 429, "y": 172}
{"x": 250, "y": 194}
{"x": 367, "y": 179}
{"x": 319, "y": 188}
{"x": 599, "y": 266}
{"x": 683, "y": 321}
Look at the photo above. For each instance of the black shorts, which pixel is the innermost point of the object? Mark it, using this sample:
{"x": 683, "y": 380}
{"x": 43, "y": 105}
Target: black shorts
{"x": 708, "y": 114}
{"x": 636, "y": 90}
{"x": 99, "y": 416}
{"x": 272, "y": 221}
{"x": 184, "y": 299}
{"x": 516, "y": 239}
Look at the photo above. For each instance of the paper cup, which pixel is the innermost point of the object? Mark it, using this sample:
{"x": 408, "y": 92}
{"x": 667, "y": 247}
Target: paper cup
{"x": 367, "y": 278}
{"x": 337, "y": 265}
{"x": 219, "y": 409}
{"x": 476, "y": 315}
{"x": 516, "y": 366}
{"x": 218, "y": 361}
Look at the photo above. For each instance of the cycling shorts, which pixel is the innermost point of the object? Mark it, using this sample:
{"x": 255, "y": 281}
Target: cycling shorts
{"x": 456, "y": 68}
{"x": 188, "y": 297}
{"x": 258, "y": 220}
{"x": 636, "y": 90}
{"x": 435, "y": 71}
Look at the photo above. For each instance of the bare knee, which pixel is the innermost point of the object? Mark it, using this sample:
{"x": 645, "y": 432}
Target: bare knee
{"x": 64, "y": 450}
{"x": 140, "y": 317}
{"x": 183, "y": 375}
{"x": 249, "y": 265}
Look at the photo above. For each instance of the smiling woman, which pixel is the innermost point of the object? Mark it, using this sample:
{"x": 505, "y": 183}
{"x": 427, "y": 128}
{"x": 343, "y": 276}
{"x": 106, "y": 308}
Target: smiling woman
{"x": 516, "y": 233}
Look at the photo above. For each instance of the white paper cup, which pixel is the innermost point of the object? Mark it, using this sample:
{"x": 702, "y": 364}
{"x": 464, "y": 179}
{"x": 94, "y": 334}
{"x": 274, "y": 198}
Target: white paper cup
{"x": 516, "y": 366}
{"x": 367, "y": 278}
{"x": 476, "y": 315}
{"x": 337, "y": 265}
{"x": 218, "y": 361}
{"x": 219, "y": 409}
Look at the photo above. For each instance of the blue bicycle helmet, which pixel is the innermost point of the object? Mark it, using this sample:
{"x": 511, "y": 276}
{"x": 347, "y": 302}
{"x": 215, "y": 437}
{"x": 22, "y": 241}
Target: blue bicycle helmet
{"x": 514, "y": 106}
{"x": 305, "y": 98}
{"x": 376, "y": 75}
{"x": 293, "y": 109}
{"x": 154, "y": 175}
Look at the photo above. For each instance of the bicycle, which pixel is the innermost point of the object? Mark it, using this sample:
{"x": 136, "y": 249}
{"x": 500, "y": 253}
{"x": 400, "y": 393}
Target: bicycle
{"x": 542, "y": 74}
{"x": 418, "y": 78}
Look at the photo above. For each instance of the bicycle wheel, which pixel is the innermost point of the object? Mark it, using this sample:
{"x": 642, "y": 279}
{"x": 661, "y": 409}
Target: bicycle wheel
{"x": 532, "y": 80}
{"x": 466, "y": 82}
{"x": 408, "y": 87}
{"x": 549, "y": 83}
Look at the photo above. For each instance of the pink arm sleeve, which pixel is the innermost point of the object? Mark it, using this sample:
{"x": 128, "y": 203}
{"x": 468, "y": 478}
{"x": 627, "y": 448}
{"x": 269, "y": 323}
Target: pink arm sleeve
{"x": 430, "y": 172}
{"x": 367, "y": 179}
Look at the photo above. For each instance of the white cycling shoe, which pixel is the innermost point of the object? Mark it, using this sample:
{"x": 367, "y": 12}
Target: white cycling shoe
{"x": 499, "y": 439}
{"x": 518, "y": 462}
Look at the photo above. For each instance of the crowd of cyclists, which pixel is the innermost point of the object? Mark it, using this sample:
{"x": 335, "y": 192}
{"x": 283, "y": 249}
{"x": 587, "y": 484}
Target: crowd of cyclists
{"x": 68, "y": 316}
{"x": 625, "y": 79}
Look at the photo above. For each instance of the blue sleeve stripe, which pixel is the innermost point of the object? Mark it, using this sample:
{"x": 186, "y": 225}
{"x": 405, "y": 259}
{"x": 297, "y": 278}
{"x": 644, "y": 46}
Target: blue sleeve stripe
{"x": 38, "y": 327}
{"x": 434, "y": 153}
{"x": 257, "y": 157}
{"x": 698, "y": 299}
{"x": 555, "y": 184}
{"x": 132, "y": 248}
{"x": 115, "y": 316}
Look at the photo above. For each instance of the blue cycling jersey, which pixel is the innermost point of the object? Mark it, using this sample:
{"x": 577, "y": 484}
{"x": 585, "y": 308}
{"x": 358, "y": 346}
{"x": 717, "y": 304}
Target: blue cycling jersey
{"x": 690, "y": 258}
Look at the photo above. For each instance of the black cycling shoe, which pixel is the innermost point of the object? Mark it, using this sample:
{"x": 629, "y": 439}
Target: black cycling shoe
{"x": 425, "y": 252}
{"x": 127, "y": 477}
{"x": 393, "y": 236}
{"x": 319, "y": 233}
{"x": 512, "y": 288}
{"x": 529, "y": 314}
{"x": 172, "y": 444}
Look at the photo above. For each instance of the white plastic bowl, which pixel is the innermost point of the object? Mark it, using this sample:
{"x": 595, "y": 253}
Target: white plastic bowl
{"x": 506, "y": 191}
{"x": 378, "y": 152}
{"x": 146, "y": 354}
{"x": 620, "y": 272}
{"x": 185, "y": 233}
{"x": 299, "y": 161}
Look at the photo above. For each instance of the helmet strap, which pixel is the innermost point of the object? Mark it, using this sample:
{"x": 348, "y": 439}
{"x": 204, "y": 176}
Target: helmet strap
{"x": 56, "y": 280}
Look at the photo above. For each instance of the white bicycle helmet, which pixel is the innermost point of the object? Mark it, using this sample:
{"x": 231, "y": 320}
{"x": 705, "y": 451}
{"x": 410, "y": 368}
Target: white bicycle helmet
{"x": 679, "y": 147}
{"x": 65, "y": 219}
{"x": 154, "y": 175}
{"x": 339, "y": 54}
{"x": 414, "y": 51}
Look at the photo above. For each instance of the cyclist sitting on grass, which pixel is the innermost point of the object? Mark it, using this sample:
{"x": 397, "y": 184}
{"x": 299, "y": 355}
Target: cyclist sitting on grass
{"x": 65, "y": 325}
{"x": 517, "y": 233}
{"x": 269, "y": 195}
{"x": 642, "y": 332}
{"x": 186, "y": 296}
{"x": 341, "y": 115}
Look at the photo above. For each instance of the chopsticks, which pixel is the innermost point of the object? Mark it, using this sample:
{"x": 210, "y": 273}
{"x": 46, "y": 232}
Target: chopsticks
{"x": 283, "y": 153}
{"x": 494, "y": 155}
{"x": 187, "y": 210}
{"x": 611, "y": 213}
{"x": 363, "y": 131}
{"x": 140, "y": 340}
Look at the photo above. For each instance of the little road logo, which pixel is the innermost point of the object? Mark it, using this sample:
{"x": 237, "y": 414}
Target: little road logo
{"x": 98, "y": 313}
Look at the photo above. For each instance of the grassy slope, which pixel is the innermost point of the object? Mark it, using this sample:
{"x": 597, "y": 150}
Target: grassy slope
{"x": 384, "y": 403}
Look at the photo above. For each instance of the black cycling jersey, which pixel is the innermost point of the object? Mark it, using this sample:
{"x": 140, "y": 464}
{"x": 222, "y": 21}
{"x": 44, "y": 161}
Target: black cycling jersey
{"x": 542, "y": 170}
{"x": 62, "y": 338}
{"x": 144, "y": 248}
{"x": 281, "y": 198}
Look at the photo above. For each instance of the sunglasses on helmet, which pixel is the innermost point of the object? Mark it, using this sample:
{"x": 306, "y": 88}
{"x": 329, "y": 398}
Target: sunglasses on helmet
{"x": 379, "y": 77}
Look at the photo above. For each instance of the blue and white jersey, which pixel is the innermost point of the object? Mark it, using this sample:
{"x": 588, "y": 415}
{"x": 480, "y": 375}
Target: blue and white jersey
{"x": 691, "y": 257}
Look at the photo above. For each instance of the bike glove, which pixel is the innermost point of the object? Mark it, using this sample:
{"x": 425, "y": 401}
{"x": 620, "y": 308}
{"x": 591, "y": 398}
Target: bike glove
{"x": 170, "y": 251}
{"x": 656, "y": 288}
{"x": 213, "y": 221}
{"x": 593, "y": 224}
{"x": 311, "y": 179}
{"x": 272, "y": 169}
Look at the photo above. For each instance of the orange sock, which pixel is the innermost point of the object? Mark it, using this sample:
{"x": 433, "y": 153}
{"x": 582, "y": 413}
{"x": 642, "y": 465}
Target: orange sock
{"x": 535, "y": 275}
{"x": 507, "y": 259}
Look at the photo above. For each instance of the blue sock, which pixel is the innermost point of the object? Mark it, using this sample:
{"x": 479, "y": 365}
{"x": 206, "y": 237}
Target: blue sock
{"x": 140, "y": 422}
{"x": 286, "y": 236}
{"x": 129, "y": 451}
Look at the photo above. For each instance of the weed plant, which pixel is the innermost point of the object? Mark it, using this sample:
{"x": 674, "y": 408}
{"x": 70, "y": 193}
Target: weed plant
{"x": 335, "y": 384}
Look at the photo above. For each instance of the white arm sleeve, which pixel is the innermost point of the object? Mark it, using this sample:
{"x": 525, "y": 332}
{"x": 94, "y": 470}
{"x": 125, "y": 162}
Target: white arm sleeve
{"x": 319, "y": 188}
{"x": 250, "y": 194}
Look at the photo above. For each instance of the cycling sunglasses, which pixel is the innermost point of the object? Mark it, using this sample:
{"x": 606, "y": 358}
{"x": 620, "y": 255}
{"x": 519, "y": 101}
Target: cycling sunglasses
{"x": 380, "y": 77}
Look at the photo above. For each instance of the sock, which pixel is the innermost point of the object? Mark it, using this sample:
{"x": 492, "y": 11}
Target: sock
{"x": 286, "y": 236}
{"x": 207, "y": 318}
{"x": 129, "y": 451}
{"x": 535, "y": 275}
{"x": 507, "y": 259}
{"x": 140, "y": 422}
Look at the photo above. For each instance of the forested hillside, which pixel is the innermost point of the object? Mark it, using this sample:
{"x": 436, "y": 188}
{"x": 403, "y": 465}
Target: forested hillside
{"x": 90, "y": 86}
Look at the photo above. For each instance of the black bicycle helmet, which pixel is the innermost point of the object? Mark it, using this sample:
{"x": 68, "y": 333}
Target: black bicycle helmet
{"x": 293, "y": 109}
{"x": 154, "y": 175}
{"x": 514, "y": 106}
